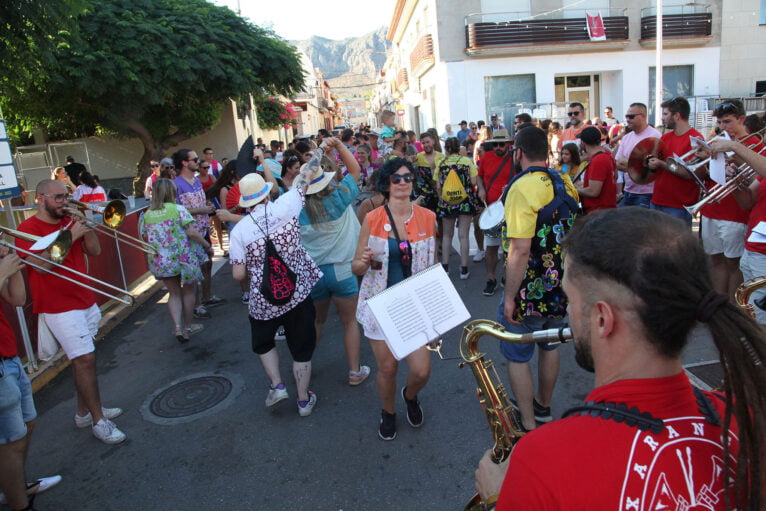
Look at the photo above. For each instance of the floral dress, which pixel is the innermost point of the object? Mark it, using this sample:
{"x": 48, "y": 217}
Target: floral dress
{"x": 176, "y": 254}
{"x": 465, "y": 170}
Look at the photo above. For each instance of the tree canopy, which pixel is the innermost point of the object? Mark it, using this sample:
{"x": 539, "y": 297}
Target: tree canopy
{"x": 160, "y": 70}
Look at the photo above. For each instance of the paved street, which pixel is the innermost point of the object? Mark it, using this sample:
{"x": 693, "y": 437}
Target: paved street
{"x": 241, "y": 455}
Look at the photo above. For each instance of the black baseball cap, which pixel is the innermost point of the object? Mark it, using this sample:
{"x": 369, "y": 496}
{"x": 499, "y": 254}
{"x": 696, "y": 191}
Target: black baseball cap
{"x": 590, "y": 135}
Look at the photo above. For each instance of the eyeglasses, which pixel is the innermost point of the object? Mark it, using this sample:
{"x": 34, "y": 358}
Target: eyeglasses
{"x": 154, "y": 165}
{"x": 59, "y": 197}
{"x": 398, "y": 178}
{"x": 404, "y": 248}
{"x": 570, "y": 114}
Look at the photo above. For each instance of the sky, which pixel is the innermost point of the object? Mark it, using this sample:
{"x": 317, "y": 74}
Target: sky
{"x": 301, "y": 19}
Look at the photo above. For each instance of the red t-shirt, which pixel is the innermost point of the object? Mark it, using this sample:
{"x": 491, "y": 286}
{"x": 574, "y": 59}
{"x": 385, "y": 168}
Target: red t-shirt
{"x": 52, "y": 294}
{"x": 488, "y": 166}
{"x": 8, "y": 347}
{"x": 206, "y": 184}
{"x": 601, "y": 168}
{"x": 728, "y": 209}
{"x": 598, "y": 464}
{"x": 757, "y": 215}
{"x": 670, "y": 190}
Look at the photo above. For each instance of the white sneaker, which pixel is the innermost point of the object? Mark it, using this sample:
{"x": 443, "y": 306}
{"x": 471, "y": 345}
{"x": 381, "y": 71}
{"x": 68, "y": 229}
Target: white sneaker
{"x": 305, "y": 410}
{"x": 39, "y": 486}
{"x": 276, "y": 394}
{"x": 106, "y": 431}
{"x": 246, "y": 297}
{"x": 83, "y": 421}
{"x": 478, "y": 256}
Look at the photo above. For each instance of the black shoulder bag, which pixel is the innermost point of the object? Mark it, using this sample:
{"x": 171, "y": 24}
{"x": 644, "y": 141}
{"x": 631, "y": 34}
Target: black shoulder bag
{"x": 279, "y": 281}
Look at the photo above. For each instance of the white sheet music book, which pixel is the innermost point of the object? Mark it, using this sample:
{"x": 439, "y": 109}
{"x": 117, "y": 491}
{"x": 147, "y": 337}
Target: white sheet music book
{"x": 418, "y": 310}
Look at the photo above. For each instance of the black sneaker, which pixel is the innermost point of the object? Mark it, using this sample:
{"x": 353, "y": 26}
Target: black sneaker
{"x": 491, "y": 288}
{"x": 414, "y": 411}
{"x": 387, "y": 429}
{"x": 542, "y": 413}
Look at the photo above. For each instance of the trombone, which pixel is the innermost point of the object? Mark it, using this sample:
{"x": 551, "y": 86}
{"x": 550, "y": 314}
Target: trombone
{"x": 114, "y": 214}
{"x": 720, "y": 191}
{"x": 59, "y": 248}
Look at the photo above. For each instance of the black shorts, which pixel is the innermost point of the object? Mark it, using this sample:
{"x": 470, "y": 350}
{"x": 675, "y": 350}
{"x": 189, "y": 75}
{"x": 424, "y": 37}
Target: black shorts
{"x": 300, "y": 331}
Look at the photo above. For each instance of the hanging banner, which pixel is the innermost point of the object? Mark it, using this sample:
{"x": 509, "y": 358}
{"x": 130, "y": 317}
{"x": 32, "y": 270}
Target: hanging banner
{"x": 596, "y": 30}
{"x": 9, "y": 185}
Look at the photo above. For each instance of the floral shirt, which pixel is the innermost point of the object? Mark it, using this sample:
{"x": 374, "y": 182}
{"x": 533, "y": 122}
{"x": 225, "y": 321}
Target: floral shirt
{"x": 248, "y": 247}
{"x": 176, "y": 254}
{"x": 192, "y": 196}
{"x": 421, "y": 233}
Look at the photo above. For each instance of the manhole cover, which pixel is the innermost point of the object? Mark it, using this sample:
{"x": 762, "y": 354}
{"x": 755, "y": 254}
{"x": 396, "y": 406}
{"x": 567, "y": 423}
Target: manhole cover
{"x": 190, "y": 398}
{"x": 709, "y": 375}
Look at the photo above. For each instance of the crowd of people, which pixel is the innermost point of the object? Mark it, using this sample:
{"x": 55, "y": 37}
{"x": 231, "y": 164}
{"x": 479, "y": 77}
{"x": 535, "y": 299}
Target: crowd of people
{"x": 336, "y": 220}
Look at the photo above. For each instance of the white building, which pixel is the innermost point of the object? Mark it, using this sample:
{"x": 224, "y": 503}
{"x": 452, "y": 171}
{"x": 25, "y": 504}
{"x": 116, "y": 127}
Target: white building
{"x": 468, "y": 59}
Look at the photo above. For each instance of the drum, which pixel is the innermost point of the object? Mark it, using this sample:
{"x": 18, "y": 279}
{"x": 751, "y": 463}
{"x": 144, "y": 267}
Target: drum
{"x": 491, "y": 219}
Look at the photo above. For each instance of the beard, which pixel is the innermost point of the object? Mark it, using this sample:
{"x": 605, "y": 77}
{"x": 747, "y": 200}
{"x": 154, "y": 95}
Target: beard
{"x": 56, "y": 212}
{"x": 584, "y": 355}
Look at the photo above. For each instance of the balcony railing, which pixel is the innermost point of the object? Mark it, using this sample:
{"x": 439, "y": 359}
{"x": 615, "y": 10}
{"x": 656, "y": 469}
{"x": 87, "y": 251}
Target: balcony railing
{"x": 486, "y": 31}
{"x": 402, "y": 82}
{"x": 422, "y": 57}
{"x": 678, "y": 21}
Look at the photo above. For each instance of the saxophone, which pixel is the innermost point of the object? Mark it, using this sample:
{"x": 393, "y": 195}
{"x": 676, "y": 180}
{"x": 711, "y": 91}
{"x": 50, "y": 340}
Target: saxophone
{"x": 503, "y": 422}
{"x": 743, "y": 292}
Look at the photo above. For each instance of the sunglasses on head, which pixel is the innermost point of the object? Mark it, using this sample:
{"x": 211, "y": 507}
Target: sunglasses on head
{"x": 570, "y": 114}
{"x": 727, "y": 108}
{"x": 398, "y": 178}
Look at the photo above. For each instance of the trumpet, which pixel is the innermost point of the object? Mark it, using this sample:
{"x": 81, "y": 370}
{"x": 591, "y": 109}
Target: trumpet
{"x": 114, "y": 214}
{"x": 59, "y": 248}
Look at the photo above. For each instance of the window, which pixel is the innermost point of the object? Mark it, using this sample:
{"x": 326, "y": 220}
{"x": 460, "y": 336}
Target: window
{"x": 505, "y": 96}
{"x": 676, "y": 81}
{"x": 762, "y": 20}
{"x": 760, "y": 88}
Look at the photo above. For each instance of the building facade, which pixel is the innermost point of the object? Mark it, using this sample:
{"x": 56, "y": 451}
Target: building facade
{"x": 470, "y": 59}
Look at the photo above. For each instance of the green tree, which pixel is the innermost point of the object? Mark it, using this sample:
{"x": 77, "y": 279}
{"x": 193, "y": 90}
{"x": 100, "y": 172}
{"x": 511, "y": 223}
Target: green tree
{"x": 159, "y": 70}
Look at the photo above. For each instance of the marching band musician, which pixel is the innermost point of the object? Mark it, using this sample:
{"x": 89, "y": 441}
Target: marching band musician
{"x": 675, "y": 189}
{"x": 723, "y": 224}
{"x": 646, "y": 436}
{"x": 17, "y": 407}
{"x": 69, "y": 310}
{"x": 750, "y": 196}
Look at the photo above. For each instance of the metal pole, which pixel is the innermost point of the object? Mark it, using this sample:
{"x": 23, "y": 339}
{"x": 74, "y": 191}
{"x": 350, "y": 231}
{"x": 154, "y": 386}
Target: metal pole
{"x": 26, "y": 340}
{"x": 658, "y": 69}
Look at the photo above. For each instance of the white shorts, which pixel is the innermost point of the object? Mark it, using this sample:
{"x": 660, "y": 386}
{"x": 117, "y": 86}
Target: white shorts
{"x": 75, "y": 330}
{"x": 723, "y": 237}
{"x": 491, "y": 241}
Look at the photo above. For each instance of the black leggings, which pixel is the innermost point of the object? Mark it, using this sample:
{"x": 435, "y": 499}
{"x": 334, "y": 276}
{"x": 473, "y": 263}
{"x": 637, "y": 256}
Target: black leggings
{"x": 300, "y": 331}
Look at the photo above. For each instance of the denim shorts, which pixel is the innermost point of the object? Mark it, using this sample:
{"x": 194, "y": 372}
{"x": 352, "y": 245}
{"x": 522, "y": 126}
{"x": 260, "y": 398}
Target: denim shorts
{"x": 521, "y": 353}
{"x": 337, "y": 280}
{"x": 16, "y": 404}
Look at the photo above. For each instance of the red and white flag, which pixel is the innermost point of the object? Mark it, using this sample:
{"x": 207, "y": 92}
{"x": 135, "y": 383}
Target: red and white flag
{"x": 596, "y": 30}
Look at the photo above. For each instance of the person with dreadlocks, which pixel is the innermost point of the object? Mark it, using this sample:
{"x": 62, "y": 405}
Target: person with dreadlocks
{"x": 646, "y": 436}
{"x": 329, "y": 231}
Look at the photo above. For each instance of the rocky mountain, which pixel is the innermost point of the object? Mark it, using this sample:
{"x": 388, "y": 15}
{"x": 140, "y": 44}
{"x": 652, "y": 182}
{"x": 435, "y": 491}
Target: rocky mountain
{"x": 349, "y": 65}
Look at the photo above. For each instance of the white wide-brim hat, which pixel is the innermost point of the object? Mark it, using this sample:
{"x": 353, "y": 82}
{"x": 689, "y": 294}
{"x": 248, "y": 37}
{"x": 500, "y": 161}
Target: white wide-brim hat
{"x": 320, "y": 181}
{"x": 253, "y": 189}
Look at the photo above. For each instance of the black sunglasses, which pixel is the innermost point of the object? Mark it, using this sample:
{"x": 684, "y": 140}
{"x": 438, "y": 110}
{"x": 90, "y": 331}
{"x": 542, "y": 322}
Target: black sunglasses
{"x": 404, "y": 248}
{"x": 205, "y": 167}
{"x": 570, "y": 114}
{"x": 500, "y": 144}
{"x": 631, "y": 116}
{"x": 727, "y": 108}
{"x": 398, "y": 178}
{"x": 154, "y": 165}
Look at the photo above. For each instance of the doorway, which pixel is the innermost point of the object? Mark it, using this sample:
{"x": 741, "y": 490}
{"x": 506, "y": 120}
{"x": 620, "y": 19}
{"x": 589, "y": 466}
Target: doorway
{"x": 580, "y": 89}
